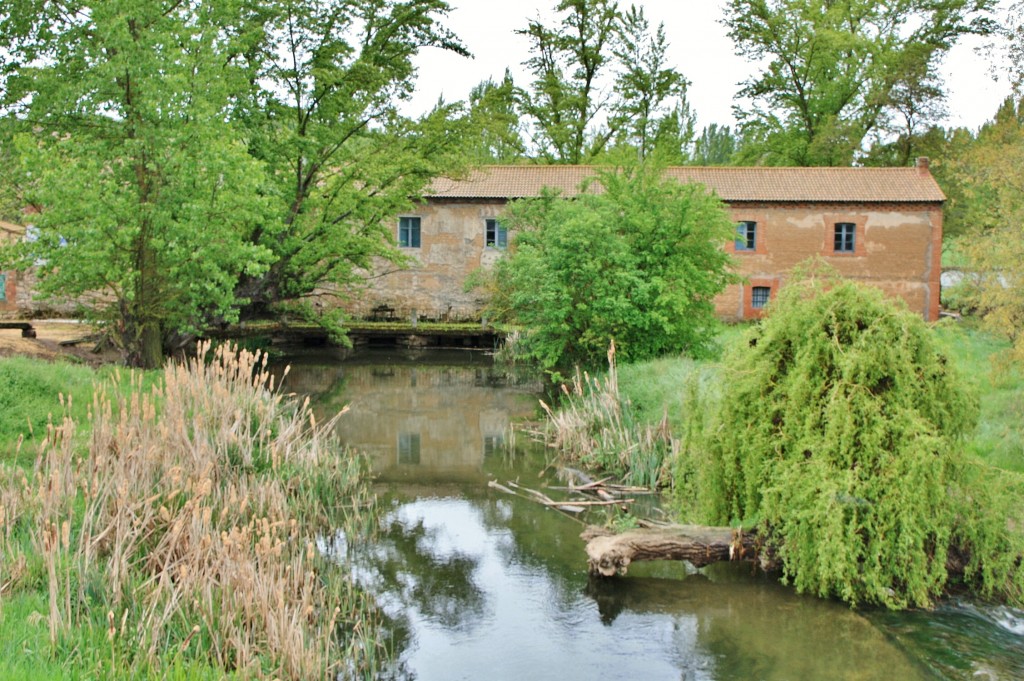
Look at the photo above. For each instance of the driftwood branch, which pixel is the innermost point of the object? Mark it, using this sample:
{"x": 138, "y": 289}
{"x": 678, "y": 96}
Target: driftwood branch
{"x": 566, "y": 505}
{"x": 610, "y": 554}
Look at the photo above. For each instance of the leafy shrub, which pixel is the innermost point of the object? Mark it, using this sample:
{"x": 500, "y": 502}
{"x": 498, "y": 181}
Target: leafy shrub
{"x": 839, "y": 435}
{"x": 640, "y": 262}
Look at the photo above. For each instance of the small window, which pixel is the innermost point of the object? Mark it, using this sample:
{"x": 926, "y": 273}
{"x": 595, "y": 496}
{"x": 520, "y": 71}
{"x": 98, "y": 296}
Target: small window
{"x": 746, "y": 236}
{"x": 495, "y": 234}
{"x": 844, "y": 237}
{"x": 409, "y": 232}
{"x": 759, "y": 296}
{"x": 409, "y": 448}
{"x": 3, "y": 287}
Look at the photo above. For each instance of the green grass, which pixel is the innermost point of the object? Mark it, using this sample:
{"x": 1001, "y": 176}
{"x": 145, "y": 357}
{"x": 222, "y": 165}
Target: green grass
{"x": 30, "y": 391}
{"x": 26, "y": 653}
{"x": 659, "y": 386}
{"x": 999, "y": 437}
{"x": 29, "y": 397}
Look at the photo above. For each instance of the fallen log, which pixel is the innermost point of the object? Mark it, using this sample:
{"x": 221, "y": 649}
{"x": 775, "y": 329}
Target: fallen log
{"x": 610, "y": 554}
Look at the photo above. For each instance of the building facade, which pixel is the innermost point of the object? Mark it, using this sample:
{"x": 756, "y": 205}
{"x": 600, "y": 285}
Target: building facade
{"x": 879, "y": 226}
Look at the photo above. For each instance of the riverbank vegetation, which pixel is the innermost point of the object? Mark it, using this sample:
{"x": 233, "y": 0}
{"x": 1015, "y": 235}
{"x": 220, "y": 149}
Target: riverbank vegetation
{"x": 170, "y": 532}
{"x": 856, "y": 455}
{"x": 640, "y": 262}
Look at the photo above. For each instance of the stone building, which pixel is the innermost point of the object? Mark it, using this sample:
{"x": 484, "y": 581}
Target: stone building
{"x": 880, "y": 226}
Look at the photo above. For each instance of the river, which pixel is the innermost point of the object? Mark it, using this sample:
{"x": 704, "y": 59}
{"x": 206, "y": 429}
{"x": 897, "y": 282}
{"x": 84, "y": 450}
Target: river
{"x": 477, "y": 584}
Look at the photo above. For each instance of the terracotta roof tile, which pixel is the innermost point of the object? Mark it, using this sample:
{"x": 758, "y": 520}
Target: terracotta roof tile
{"x": 730, "y": 183}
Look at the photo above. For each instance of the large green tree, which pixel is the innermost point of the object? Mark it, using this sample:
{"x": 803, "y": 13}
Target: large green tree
{"x": 194, "y": 160}
{"x": 326, "y": 78}
{"x": 146, "y": 196}
{"x": 839, "y": 70}
{"x": 639, "y": 262}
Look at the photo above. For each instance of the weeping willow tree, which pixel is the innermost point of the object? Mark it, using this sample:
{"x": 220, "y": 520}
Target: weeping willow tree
{"x": 839, "y": 437}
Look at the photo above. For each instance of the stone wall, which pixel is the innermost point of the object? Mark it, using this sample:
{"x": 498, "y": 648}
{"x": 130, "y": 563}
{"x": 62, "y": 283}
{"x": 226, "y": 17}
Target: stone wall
{"x": 9, "y": 299}
{"x": 451, "y": 247}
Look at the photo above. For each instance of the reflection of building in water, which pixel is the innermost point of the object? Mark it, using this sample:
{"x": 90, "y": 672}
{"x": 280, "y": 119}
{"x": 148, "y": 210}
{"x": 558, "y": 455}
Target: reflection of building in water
{"x": 418, "y": 420}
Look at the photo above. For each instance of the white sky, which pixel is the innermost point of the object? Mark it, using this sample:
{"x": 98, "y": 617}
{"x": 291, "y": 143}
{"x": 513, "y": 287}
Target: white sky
{"x": 698, "y": 48}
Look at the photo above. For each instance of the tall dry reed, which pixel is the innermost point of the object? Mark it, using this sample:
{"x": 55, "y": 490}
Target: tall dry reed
{"x": 593, "y": 426}
{"x": 188, "y": 525}
{"x": 16, "y": 508}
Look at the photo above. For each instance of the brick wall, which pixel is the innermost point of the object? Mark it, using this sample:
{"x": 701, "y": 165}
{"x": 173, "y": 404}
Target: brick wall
{"x": 896, "y": 248}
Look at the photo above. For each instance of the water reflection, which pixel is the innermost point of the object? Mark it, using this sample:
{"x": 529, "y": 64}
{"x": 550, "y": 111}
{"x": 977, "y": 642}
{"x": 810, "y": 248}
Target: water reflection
{"x": 420, "y": 416}
{"x": 479, "y": 606}
{"x": 419, "y": 566}
{"x": 480, "y": 585}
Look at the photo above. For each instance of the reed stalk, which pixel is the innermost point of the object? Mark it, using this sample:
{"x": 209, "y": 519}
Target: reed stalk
{"x": 595, "y": 427}
{"x": 193, "y": 514}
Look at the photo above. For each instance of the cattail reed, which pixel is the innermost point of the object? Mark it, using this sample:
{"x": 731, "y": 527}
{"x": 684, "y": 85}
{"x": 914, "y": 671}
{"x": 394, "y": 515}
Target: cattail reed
{"x": 192, "y": 509}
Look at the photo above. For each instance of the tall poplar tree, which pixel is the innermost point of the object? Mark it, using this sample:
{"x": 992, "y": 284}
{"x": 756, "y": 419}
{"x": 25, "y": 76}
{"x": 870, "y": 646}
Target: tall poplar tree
{"x": 601, "y": 79}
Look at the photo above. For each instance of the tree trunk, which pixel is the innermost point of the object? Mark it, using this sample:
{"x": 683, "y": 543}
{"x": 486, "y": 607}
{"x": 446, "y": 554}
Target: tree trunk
{"x": 151, "y": 348}
{"x": 610, "y": 554}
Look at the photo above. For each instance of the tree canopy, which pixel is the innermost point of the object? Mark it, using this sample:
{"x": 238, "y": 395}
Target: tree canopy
{"x": 194, "y": 161}
{"x": 839, "y": 71}
{"x": 987, "y": 176}
{"x": 640, "y": 261}
{"x": 602, "y": 77}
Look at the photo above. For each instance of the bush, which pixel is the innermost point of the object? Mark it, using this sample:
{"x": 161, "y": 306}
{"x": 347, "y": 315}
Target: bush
{"x": 839, "y": 435}
{"x": 640, "y": 262}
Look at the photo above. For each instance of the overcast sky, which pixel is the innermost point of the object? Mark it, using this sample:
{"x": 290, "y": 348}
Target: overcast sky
{"x": 699, "y": 49}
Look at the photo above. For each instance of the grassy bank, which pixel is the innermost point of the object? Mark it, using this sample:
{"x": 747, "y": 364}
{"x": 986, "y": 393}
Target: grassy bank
{"x": 626, "y": 422}
{"x": 169, "y": 530}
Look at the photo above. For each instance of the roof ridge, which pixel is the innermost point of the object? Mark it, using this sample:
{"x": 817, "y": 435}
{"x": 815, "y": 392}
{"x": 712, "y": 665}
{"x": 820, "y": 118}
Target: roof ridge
{"x": 819, "y": 184}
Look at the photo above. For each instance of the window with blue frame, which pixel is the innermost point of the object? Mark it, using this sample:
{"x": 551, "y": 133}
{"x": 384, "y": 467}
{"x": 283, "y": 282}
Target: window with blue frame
{"x": 3, "y": 287}
{"x": 495, "y": 234}
{"x": 845, "y": 237}
{"x": 746, "y": 236}
{"x": 759, "y": 297}
{"x": 409, "y": 232}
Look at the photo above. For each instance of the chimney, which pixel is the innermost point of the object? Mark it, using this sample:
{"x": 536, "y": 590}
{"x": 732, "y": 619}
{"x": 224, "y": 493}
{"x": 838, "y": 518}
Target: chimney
{"x": 923, "y": 165}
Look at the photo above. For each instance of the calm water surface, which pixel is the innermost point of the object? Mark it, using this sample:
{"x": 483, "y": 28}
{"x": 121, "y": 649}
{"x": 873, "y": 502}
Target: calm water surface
{"x": 481, "y": 585}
